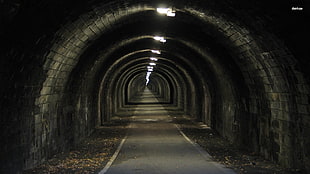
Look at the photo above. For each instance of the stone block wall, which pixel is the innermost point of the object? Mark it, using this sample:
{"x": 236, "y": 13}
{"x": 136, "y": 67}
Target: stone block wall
{"x": 50, "y": 96}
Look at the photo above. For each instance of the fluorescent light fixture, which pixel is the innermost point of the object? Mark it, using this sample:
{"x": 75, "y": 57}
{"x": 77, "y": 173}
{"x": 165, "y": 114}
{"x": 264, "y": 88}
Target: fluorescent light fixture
{"x": 167, "y": 11}
{"x": 160, "y": 39}
{"x": 153, "y": 58}
{"x": 171, "y": 13}
{"x": 162, "y": 10}
{"x": 156, "y": 51}
{"x": 149, "y": 67}
{"x": 152, "y": 64}
{"x": 147, "y": 77}
{"x": 147, "y": 81}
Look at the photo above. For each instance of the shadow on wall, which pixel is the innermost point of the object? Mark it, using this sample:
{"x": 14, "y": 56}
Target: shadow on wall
{"x": 50, "y": 97}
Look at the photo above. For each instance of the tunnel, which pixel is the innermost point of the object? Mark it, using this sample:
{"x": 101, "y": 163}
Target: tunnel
{"x": 240, "y": 67}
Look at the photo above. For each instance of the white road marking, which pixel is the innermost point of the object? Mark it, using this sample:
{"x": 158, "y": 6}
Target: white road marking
{"x": 197, "y": 147}
{"x": 205, "y": 154}
{"x": 109, "y": 164}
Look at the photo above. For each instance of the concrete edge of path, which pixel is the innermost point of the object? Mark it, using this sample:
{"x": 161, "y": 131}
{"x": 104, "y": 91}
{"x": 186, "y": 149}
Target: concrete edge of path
{"x": 108, "y": 165}
{"x": 205, "y": 154}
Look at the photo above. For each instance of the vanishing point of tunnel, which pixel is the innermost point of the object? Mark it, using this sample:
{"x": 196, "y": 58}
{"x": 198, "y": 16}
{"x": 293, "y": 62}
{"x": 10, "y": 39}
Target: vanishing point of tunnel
{"x": 240, "y": 67}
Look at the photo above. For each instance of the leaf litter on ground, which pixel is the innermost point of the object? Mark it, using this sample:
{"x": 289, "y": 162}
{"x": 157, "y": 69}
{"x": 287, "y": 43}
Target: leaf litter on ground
{"x": 90, "y": 156}
{"x": 240, "y": 160}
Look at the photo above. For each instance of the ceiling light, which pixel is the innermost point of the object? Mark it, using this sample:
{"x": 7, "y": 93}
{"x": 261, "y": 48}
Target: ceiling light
{"x": 160, "y": 39}
{"x": 162, "y": 10}
{"x": 152, "y": 64}
{"x": 153, "y": 58}
{"x": 156, "y": 51}
{"x": 167, "y": 11}
{"x": 149, "y": 68}
{"x": 171, "y": 14}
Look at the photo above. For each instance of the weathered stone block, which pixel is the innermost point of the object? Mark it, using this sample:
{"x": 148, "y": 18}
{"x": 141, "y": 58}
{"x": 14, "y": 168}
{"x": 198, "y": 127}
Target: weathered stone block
{"x": 275, "y": 124}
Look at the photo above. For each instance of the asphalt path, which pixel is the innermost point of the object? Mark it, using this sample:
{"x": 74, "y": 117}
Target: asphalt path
{"x": 155, "y": 145}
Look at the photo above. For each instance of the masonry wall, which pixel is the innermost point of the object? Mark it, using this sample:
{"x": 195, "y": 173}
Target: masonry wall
{"x": 49, "y": 95}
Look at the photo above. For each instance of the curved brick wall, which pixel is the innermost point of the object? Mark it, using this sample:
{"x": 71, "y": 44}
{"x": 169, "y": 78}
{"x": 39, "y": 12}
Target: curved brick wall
{"x": 231, "y": 65}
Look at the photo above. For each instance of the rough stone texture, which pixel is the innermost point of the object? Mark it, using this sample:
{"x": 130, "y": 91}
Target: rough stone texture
{"x": 236, "y": 69}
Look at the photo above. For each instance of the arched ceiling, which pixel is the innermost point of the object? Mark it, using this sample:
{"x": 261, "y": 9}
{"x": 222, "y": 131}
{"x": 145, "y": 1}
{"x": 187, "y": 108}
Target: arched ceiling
{"x": 225, "y": 63}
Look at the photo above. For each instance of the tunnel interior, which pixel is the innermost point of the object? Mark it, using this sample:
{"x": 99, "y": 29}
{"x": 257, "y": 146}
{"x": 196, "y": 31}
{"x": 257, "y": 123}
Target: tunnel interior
{"x": 70, "y": 66}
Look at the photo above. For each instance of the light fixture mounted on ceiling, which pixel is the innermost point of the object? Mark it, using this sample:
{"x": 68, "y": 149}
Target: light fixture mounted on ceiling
{"x": 160, "y": 39}
{"x": 153, "y": 58}
{"x": 156, "y": 51}
{"x": 147, "y": 77}
{"x": 150, "y": 68}
{"x": 166, "y": 11}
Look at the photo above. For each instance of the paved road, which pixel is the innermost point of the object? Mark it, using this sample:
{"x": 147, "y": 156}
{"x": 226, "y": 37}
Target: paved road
{"x": 154, "y": 145}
